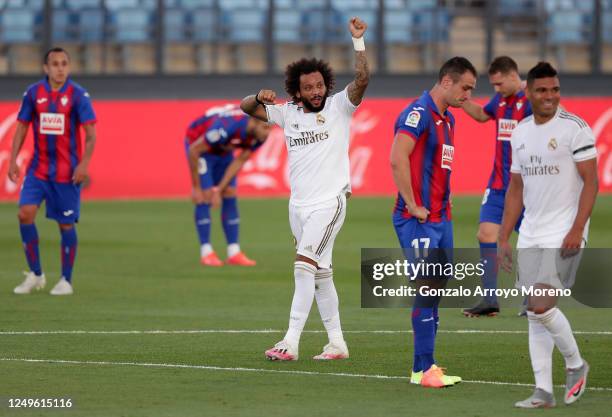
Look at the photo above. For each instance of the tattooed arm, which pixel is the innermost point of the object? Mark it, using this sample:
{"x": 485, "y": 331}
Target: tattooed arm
{"x": 357, "y": 87}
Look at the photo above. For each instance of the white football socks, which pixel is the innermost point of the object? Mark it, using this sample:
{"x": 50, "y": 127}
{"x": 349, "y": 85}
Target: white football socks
{"x": 304, "y": 274}
{"x": 327, "y": 302}
{"x": 205, "y": 249}
{"x": 559, "y": 328}
{"x": 233, "y": 249}
{"x": 541, "y": 345}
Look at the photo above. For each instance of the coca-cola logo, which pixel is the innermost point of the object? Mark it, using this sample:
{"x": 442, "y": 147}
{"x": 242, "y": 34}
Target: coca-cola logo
{"x": 602, "y": 129}
{"x": 360, "y": 154}
{"x": 7, "y": 187}
{"x": 259, "y": 171}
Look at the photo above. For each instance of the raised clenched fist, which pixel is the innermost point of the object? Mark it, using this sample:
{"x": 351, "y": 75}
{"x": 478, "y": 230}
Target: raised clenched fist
{"x": 266, "y": 96}
{"x": 357, "y": 27}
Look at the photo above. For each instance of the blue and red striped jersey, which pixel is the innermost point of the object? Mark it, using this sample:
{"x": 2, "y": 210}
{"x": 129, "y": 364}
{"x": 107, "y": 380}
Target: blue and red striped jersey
{"x": 431, "y": 159}
{"x": 198, "y": 127}
{"x": 507, "y": 113}
{"x": 228, "y": 132}
{"x": 56, "y": 118}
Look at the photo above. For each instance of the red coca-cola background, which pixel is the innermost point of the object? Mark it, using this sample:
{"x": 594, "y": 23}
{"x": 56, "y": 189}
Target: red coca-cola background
{"x": 140, "y": 153}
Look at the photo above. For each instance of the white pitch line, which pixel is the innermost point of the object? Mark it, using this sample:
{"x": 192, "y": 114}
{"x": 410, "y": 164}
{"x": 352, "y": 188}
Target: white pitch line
{"x": 268, "y": 331}
{"x": 261, "y": 370}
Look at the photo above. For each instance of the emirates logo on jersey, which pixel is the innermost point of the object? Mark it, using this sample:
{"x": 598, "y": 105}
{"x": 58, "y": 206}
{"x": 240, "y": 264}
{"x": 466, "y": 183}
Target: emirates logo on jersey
{"x": 448, "y": 152}
{"x": 538, "y": 166}
{"x": 307, "y": 138}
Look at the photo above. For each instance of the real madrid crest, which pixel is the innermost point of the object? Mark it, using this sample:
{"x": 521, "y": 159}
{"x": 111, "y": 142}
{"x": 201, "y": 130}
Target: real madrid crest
{"x": 320, "y": 119}
{"x": 64, "y": 100}
{"x": 552, "y": 144}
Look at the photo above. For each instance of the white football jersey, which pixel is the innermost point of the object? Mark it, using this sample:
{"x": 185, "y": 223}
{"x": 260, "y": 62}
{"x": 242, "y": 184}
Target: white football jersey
{"x": 317, "y": 148}
{"x": 545, "y": 155}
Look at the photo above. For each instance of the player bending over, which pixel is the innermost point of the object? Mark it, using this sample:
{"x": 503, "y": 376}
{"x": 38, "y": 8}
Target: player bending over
{"x": 210, "y": 143}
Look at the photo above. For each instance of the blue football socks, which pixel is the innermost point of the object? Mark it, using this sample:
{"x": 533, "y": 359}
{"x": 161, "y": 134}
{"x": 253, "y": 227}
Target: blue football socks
{"x": 202, "y": 221}
{"x": 29, "y": 237}
{"x": 488, "y": 255}
{"x": 230, "y": 219}
{"x": 424, "y": 328}
{"x": 69, "y": 249}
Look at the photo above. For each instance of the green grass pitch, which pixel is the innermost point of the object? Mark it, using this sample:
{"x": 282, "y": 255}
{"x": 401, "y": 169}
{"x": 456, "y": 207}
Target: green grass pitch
{"x": 137, "y": 269}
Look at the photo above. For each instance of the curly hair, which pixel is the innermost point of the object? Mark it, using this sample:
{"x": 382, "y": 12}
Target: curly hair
{"x": 307, "y": 66}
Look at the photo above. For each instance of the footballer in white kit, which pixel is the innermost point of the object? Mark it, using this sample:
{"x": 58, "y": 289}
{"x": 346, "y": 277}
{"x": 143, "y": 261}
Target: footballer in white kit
{"x": 317, "y": 146}
{"x": 316, "y": 126}
{"x": 551, "y": 192}
{"x": 554, "y": 177}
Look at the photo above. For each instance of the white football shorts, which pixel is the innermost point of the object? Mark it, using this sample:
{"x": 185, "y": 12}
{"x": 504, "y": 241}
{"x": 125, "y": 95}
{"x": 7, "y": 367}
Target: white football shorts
{"x": 541, "y": 263}
{"x": 315, "y": 228}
